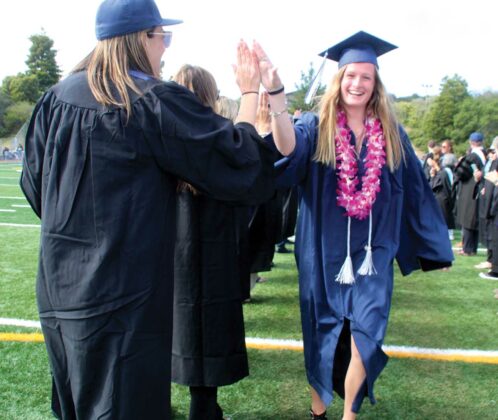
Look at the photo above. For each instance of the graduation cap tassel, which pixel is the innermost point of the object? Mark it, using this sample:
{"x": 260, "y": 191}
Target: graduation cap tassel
{"x": 315, "y": 84}
{"x": 368, "y": 268}
{"x": 346, "y": 274}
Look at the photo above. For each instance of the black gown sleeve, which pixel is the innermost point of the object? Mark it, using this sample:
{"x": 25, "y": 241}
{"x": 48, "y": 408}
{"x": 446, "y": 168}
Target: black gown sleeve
{"x": 34, "y": 146}
{"x": 229, "y": 162}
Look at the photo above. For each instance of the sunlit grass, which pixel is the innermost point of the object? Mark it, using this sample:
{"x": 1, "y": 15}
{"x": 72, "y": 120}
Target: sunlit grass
{"x": 454, "y": 309}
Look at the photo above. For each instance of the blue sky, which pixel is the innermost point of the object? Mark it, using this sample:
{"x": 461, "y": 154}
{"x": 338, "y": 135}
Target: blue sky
{"x": 435, "y": 38}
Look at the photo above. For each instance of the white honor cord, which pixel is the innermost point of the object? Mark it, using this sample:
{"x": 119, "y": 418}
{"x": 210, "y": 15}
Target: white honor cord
{"x": 367, "y": 268}
{"x": 346, "y": 274}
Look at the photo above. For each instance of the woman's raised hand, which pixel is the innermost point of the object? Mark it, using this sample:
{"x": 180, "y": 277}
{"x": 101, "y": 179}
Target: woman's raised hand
{"x": 269, "y": 75}
{"x": 246, "y": 70}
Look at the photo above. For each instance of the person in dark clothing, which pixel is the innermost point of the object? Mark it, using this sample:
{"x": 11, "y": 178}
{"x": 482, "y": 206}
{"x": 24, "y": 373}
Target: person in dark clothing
{"x": 491, "y": 189}
{"x": 103, "y": 154}
{"x": 426, "y": 158}
{"x": 289, "y": 217}
{"x": 486, "y": 191}
{"x": 266, "y": 219}
{"x": 468, "y": 173}
{"x": 211, "y": 281}
{"x": 441, "y": 184}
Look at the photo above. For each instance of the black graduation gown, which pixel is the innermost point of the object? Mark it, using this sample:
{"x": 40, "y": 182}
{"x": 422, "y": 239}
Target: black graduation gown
{"x": 211, "y": 274}
{"x": 105, "y": 190}
{"x": 486, "y": 190}
{"x": 264, "y": 228}
{"x": 467, "y": 210}
{"x": 442, "y": 189}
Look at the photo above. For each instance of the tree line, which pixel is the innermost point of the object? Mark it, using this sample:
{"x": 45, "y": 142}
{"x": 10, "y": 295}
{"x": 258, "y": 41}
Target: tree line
{"x": 19, "y": 93}
{"x": 452, "y": 114}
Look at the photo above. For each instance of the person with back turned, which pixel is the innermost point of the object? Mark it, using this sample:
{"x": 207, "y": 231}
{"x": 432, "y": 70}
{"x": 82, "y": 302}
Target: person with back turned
{"x": 103, "y": 154}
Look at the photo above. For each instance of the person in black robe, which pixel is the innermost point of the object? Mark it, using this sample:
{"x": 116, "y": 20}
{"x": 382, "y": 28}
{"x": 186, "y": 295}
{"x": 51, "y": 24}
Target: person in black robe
{"x": 441, "y": 183}
{"x": 492, "y": 180}
{"x": 469, "y": 174}
{"x": 211, "y": 275}
{"x": 103, "y": 154}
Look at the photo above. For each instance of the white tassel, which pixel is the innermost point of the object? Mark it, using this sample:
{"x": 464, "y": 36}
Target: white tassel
{"x": 346, "y": 273}
{"x": 367, "y": 268}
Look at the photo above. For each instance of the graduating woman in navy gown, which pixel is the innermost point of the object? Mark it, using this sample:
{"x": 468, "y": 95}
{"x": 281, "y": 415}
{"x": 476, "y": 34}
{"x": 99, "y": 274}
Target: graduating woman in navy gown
{"x": 364, "y": 202}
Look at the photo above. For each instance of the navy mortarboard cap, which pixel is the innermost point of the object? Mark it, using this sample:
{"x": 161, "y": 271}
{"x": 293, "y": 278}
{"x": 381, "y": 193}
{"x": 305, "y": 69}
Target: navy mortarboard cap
{"x": 122, "y": 17}
{"x": 477, "y": 137}
{"x": 358, "y": 48}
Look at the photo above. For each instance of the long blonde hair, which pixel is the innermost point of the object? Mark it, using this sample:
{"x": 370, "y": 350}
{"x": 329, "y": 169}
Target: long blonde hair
{"x": 199, "y": 81}
{"x": 379, "y": 106}
{"x": 108, "y": 65}
{"x": 228, "y": 108}
{"x": 202, "y": 83}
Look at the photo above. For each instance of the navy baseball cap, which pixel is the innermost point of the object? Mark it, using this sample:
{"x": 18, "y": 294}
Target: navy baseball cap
{"x": 358, "y": 48}
{"x": 477, "y": 137}
{"x": 122, "y": 17}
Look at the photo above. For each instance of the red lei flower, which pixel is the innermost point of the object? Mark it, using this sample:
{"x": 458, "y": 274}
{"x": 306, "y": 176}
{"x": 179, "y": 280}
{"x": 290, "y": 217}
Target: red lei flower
{"x": 358, "y": 203}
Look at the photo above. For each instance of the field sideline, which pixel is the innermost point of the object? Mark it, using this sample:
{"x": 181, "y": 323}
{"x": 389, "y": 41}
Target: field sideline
{"x": 448, "y": 355}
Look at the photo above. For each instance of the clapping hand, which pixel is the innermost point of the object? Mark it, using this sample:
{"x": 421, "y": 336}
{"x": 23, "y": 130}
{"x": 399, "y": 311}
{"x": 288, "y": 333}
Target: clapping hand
{"x": 269, "y": 75}
{"x": 247, "y": 74}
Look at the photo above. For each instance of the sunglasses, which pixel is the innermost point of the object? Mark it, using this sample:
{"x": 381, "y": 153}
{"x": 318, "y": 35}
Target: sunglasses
{"x": 166, "y": 37}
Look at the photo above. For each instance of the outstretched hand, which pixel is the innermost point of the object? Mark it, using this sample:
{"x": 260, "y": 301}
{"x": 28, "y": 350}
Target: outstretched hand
{"x": 246, "y": 70}
{"x": 269, "y": 75}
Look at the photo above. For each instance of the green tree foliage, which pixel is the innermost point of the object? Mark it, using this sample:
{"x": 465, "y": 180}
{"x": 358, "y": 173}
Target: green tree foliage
{"x": 41, "y": 62}
{"x": 296, "y": 98}
{"x": 439, "y": 120}
{"x": 16, "y": 115}
{"x": 410, "y": 113}
{"x": 24, "y": 88}
{"x": 4, "y": 104}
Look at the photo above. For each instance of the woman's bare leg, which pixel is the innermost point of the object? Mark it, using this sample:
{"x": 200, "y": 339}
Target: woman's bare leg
{"x": 354, "y": 379}
{"x": 317, "y": 404}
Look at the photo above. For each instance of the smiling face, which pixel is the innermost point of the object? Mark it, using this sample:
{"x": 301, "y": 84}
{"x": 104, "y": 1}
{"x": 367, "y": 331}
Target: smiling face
{"x": 357, "y": 85}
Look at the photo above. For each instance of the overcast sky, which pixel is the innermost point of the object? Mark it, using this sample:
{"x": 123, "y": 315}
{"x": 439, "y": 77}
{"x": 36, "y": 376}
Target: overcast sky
{"x": 436, "y": 38}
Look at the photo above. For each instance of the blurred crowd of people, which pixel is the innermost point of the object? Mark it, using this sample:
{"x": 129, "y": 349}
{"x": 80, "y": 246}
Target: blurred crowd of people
{"x": 466, "y": 189}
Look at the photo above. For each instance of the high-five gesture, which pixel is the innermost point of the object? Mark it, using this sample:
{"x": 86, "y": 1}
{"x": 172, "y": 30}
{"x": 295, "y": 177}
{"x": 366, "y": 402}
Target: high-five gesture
{"x": 246, "y": 70}
{"x": 269, "y": 75}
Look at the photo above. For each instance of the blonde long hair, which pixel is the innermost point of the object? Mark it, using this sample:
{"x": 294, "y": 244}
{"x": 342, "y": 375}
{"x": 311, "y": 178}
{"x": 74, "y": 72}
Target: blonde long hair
{"x": 202, "y": 83}
{"x": 108, "y": 65}
{"x": 379, "y": 106}
{"x": 199, "y": 81}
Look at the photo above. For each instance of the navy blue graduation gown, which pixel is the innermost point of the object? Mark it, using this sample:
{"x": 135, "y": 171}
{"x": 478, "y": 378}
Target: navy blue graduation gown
{"x": 407, "y": 225}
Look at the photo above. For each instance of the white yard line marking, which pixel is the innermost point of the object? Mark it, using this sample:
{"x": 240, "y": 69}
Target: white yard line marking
{"x": 14, "y": 322}
{"x": 19, "y": 225}
{"x": 7, "y": 211}
{"x": 22, "y": 206}
{"x": 462, "y": 355}
{"x": 12, "y": 198}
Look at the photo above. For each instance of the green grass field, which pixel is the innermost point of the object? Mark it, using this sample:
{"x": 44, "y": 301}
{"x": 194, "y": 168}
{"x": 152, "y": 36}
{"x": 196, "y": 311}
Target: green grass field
{"x": 447, "y": 310}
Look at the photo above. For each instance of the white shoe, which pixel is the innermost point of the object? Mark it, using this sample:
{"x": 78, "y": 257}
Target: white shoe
{"x": 489, "y": 276}
{"x": 483, "y": 265}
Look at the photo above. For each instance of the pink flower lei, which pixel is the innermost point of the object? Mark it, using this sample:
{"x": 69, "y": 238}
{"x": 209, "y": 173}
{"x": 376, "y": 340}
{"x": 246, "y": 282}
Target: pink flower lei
{"x": 358, "y": 203}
